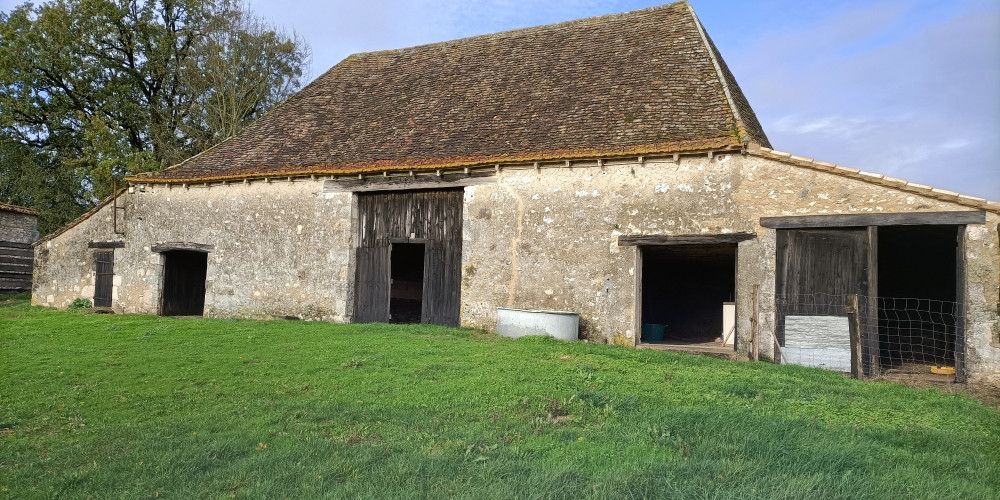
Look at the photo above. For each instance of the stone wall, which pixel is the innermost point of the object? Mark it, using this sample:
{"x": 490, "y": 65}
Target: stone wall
{"x": 534, "y": 239}
{"x": 547, "y": 239}
{"x": 279, "y": 249}
{"x": 18, "y": 227}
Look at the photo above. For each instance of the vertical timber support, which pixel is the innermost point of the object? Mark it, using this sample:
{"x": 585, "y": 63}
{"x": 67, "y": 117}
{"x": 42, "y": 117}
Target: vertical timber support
{"x": 754, "y": 327}
{"x": 960, "y": 370}
{"x": 869, "y": 320}
{"x": 638, "y": 296}
{"x": 855, "y": 328}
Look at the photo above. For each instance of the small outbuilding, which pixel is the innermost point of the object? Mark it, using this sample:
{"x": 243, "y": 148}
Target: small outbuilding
{"x": 608, "y": 166}
{"x": 18, "y": 230}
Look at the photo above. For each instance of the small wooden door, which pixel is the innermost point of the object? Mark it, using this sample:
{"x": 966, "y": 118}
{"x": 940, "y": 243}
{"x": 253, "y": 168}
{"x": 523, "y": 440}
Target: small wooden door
{"x": 371, "y": 289}
{"x": 105, "y": 277}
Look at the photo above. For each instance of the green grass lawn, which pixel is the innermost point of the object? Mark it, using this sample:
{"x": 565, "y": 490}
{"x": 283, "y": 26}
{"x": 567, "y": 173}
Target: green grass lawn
{"x": 113, "y": 406}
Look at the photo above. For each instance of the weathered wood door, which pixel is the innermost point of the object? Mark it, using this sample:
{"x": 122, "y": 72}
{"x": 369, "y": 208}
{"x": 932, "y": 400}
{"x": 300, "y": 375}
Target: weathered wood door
{"x": 433, "y": 218}
{"x": 105, "y": 277}
{"x": 371, "y": 289}
{"x": 815, "y": 268}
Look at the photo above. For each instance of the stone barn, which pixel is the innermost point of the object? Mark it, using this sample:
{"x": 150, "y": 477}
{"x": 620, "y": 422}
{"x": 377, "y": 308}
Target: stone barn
{"x": 18, "y": 230}
{"x": 608, "y": 166}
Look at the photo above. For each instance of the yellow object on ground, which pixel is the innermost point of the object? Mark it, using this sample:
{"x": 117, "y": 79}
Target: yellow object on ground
{"x": 943, "y": 370}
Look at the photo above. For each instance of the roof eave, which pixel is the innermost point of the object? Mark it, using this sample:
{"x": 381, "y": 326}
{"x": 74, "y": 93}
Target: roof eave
{"x": 716, "y": 144}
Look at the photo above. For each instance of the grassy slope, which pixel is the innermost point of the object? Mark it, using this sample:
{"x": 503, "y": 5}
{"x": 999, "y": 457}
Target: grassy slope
{"x": 140, "y": 406}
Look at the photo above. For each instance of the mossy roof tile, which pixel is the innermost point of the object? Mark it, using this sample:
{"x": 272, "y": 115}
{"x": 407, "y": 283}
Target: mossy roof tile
{"x": 646, "y": 81}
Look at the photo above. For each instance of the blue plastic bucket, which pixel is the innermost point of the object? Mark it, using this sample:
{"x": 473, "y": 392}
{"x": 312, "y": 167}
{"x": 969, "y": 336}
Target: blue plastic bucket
{"x": 652, "y": 332}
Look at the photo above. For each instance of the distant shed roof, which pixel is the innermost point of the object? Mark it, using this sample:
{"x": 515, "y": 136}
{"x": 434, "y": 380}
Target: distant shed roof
{"x": 14, "y": 208}
{"x": 641, "y": 82}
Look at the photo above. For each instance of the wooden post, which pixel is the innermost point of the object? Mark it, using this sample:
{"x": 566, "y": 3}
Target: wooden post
{"x": 960, "y": 370}
{"x": 755, "y": 337}
{"x": 870, "y": 345}
{"x": 852, "y": 322}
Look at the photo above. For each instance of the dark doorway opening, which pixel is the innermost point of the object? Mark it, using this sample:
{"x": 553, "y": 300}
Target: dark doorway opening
{"x": 406, "y": 282}
{"x": 918, "y": 310}
{"x": 104, "y": 279}
{"x": 431, "y": 219}
{"x": 684, "y": 288}
{"x": 184, "y": 273}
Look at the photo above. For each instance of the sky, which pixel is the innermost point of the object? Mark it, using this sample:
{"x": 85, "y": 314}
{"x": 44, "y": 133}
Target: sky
{"x": 909, "y": 88}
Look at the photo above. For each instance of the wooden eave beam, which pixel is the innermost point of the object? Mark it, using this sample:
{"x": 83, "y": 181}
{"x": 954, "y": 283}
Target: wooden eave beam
{"x": 958, "y": 217}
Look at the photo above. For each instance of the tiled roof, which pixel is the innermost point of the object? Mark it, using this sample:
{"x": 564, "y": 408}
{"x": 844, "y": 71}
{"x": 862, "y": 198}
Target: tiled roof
{"x": 641, "y": 82}
{"x": 14, "y": 208}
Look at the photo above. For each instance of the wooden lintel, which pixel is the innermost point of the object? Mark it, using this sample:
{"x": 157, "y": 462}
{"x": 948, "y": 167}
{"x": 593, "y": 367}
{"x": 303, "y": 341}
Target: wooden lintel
{"x": 395, "y": 183}
{"x": 693, "y": 239}
{"x": 182, "y": 245}
{"x": 106, "y": 244}
{"x": 958, "y": 217}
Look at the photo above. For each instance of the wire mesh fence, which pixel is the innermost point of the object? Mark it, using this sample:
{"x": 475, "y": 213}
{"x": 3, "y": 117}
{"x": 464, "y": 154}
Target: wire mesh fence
{"x": 866, "y": 336}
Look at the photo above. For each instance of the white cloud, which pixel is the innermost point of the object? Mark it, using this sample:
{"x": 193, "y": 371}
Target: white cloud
{"x": 834, "y": 127}
{"x": 920, "y": 103}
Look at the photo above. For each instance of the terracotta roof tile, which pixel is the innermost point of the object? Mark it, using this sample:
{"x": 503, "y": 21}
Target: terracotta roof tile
{"x": 640, "y": 82}
{"x": 15, "y": 208}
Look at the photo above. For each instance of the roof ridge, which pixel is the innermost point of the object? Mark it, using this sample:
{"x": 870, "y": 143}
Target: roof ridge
{"x": 878, "y": 179}
{"x": 515, "y": 31}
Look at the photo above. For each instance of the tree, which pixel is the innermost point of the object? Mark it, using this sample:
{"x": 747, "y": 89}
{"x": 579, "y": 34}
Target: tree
{"x": 31, "y": 179}
{"x": 100, "y": 89}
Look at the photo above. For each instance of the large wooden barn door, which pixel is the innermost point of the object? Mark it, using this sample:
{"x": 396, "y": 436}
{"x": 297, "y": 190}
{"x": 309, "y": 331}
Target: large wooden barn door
{"x": 815, "y": 268}
{"x": 433, "y": 218}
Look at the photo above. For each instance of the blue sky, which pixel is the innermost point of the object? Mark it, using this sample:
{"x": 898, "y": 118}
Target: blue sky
{"x": 908, "y": 88}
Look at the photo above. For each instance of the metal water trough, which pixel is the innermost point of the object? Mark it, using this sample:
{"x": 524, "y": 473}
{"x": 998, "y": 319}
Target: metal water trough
{"x": 516, "y": 323}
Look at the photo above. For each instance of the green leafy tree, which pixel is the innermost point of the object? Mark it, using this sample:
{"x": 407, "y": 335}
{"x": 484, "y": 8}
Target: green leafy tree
{"x": 92, "y": 90}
